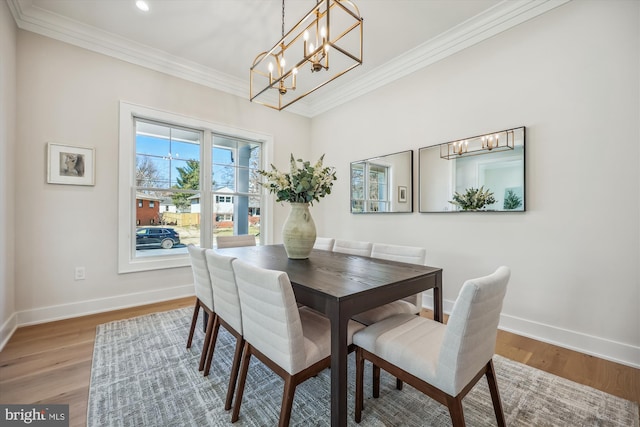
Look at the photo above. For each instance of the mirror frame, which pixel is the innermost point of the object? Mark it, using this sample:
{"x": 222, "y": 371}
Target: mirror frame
{"x": 468, "y": 147}
{"x": 399, "y": 194}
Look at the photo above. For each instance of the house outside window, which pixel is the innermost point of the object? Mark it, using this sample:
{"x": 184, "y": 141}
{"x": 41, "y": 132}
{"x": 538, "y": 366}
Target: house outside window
{"x": 200, "y": 180}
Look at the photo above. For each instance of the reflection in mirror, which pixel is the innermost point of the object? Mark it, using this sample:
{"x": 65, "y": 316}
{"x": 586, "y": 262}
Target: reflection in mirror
{"x": 483, "y": 173}
{"x": 382, "y": 184}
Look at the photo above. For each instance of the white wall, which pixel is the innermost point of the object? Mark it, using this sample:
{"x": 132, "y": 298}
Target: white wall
{"x": 8, "y": 36}
{"x": 71, "y": 95}
{"x": 571, "y": 76}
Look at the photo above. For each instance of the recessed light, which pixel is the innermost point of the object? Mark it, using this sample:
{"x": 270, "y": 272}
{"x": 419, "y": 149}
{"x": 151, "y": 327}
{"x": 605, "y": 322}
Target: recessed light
{"x": 142, "y": 5}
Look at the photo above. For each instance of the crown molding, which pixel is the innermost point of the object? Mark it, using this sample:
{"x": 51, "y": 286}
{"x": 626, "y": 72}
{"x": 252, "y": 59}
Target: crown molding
{"x": 495, "y": 20}
{"x": 43, "y": 22}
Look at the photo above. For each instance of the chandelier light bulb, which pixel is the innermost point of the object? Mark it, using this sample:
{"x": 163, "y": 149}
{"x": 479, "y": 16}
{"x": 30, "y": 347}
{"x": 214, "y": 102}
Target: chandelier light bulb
{"x": 305, "y": 36}
{"x": 282, "y": 62}
{"x": 323, "y": 32}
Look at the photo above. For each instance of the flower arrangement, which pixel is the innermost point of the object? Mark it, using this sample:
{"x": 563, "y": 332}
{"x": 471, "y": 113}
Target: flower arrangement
{"x": 473, "y": 199}
{"x": 302, "y": 184}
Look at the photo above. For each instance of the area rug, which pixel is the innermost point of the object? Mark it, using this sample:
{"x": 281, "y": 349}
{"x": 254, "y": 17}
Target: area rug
{"x": 143, "y": 375}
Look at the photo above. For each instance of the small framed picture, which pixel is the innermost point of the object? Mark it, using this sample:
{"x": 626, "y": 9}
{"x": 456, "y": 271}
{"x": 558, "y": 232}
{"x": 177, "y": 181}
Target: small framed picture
{"x": 67, "y": 164}
{"x": 402, "y": 194}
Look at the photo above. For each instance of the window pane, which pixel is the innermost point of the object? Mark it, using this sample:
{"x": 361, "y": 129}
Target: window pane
{"x": 163, "y": 229}
{"x": 236, "y": 186}
{"x": 167, "y": 173}
{"x": 166, "y": 156}
{"x": 229, "y": 217}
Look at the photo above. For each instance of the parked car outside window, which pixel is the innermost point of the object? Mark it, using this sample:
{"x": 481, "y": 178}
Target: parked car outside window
{"x": 149, "y": 237}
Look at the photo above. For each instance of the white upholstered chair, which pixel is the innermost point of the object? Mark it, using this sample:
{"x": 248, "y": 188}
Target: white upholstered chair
{"x": 225, "y": 294}
{"x": 204, "y": 298}
{"x": 442, "y": 361}
{"x": 235, "y": 241}
{"x": 293, "y": 342}
{"x": 411, "y": 304}
{"x": 352, "y": 247}
{"x": 324, "y": 243}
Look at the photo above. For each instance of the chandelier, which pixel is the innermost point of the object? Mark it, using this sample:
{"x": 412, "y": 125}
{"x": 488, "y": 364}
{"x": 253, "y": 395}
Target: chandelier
{"x": 483, "y": 144}
{"x": 299, "y": 63}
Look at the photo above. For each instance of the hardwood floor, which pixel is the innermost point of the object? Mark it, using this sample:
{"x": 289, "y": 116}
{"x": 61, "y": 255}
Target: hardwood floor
{"x": 51, "y": 363}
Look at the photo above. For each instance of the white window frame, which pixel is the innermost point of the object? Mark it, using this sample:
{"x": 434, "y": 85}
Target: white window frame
{"x": 127, "y": 262}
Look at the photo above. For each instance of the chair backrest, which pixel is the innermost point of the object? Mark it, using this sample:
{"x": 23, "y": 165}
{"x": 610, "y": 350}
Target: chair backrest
{"x": 324, "y": 243}
{"x": 408, "y": 254}
{"x": 352, "y": 247}
{"x": 270, "y": 318}
{"x": 225, "y": 290}
{"x": 235, "y": 241}
{"x": 470, "y": 337}
{"x": 201, "y": 279}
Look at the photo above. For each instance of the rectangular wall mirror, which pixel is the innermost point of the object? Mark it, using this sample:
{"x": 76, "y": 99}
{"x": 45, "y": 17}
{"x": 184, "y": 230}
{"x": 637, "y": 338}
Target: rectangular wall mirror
{"x": 383, "y": 184}
{"x": 482, "y": 173}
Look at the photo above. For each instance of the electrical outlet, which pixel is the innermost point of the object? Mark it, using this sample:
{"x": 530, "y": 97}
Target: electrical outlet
{"x": 80, "y": 273}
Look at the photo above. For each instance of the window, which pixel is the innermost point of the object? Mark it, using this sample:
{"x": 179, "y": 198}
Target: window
{"x": 371, "y": 194}
{"x": 378, "y": 188}
{"x": 200, "y": 180}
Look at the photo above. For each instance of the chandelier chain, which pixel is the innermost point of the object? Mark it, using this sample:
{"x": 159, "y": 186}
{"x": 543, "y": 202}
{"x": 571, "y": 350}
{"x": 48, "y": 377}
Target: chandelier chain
{"x": 282, "y": 18}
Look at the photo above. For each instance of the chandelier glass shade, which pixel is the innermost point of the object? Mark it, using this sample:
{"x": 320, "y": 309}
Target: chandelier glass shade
{"x": 483, "y": 144}
{"x": 322, "y": 46}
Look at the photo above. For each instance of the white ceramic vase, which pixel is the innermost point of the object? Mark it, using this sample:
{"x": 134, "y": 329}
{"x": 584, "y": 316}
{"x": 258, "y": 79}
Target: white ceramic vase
{"x": 299, "y": 232}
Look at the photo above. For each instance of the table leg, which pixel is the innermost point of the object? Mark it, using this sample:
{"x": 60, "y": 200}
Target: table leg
{"x": 338, "y": 369}
{"x": 438, "y": 315}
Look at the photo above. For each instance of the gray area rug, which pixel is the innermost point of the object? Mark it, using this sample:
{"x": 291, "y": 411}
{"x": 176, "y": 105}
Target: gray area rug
{"x": 143, "y": 375}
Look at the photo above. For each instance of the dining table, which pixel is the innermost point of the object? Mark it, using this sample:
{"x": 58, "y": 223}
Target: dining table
{"x": 340, "y": 286}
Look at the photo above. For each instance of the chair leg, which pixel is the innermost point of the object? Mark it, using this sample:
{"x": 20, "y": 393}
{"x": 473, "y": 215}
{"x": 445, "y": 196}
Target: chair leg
{"x": 495, "y": 394}
{"x": 233, "y": 378}
{"x": 287, "y": 402}
{"x": 212, "y": 345}
{"x": 455, "y": 410}
{"x": 194, "y": 320}
{"x": 376, "y": 381}
{"x": 207, "y": 339}
{"x": 246, "y": 357}
{"x": 398, "y": 384}
{"x": 359, "y": 385}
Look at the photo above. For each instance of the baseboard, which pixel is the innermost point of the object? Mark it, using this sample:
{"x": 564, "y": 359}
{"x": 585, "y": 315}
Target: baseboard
{"x": 100, "y": 305}
{"x": 588, "y": 344}
{"x": 7, "y": 329}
